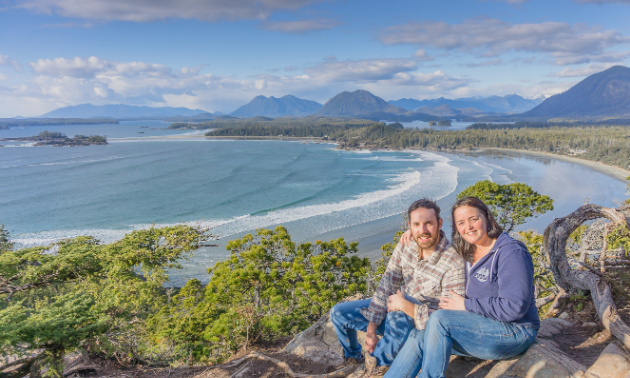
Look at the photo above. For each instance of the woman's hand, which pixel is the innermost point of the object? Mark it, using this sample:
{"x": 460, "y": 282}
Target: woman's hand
{"x": 456, "y": 302}
{"x": 405, "y": 238}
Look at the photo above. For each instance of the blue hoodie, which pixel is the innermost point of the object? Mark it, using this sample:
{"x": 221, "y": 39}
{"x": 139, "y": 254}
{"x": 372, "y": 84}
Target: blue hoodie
{"x": 500, "y": 286}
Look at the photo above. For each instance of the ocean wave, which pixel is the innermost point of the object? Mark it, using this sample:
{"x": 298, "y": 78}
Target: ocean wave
{"x": 434, "y": 182}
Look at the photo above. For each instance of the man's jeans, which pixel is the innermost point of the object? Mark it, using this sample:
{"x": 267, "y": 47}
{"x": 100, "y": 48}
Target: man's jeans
{"x": 347, "y": 320}
{"x": 462, "y": 333}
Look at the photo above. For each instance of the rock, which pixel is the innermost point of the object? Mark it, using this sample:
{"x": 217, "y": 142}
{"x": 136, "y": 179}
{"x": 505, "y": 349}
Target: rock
{"x": 613, "y": 362}
{"x": 319, "y": 341}
{"x": 552, "y": 326}
{"x": 475, "y": 368}
{"x": 564, "y": 315}
{"x": 544, "y": 360}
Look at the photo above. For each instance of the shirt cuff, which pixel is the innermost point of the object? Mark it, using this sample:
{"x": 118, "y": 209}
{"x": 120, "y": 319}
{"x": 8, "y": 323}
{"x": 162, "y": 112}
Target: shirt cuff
{"x": 372, "y": 316}
{"x": 420, "y": 316}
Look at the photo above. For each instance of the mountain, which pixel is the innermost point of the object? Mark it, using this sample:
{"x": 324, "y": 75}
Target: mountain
{"x": 441, "y": 111}
{"x": 501, "y": 104}
{"x": 604, "y": 94}
{"x": 118, "y": 111}
{"x": 277, "y": 107}
{"x": 355, "y": 103}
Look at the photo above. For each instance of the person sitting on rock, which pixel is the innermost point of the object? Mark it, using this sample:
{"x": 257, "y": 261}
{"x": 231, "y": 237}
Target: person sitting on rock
{"x": 497, "y": 319}
{"x": 416, "y": 276}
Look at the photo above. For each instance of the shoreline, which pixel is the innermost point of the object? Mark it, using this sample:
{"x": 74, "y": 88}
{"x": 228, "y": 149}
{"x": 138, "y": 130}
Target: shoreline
{"x": 610, "y": 170}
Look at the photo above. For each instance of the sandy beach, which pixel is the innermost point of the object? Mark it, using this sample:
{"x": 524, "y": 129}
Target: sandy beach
{"x": 610, "y": 170}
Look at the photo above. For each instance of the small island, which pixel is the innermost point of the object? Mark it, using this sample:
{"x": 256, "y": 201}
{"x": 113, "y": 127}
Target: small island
{"x": 58, "y": 139}
{"x": 442, "y": 122}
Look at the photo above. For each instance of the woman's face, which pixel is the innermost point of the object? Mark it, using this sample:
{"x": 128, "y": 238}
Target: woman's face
{"x": 471, "y": 224}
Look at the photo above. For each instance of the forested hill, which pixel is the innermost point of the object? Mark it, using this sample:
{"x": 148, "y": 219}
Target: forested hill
{"x": 284, "y": 106}
{"x": 606, "y": 144}
{"x": 604, "y": 94}
{"x": 359, "y": 102}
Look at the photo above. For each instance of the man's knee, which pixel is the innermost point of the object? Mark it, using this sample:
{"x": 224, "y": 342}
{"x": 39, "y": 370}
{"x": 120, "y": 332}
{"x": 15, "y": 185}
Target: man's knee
{"x": 335, "y": 313}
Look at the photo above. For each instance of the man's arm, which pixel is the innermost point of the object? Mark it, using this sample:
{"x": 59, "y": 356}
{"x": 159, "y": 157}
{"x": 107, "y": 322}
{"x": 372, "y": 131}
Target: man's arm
{"x": 390, "y": 283}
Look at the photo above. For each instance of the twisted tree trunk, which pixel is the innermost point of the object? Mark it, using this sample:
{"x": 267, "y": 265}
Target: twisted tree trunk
{"x": 555, "y": 242}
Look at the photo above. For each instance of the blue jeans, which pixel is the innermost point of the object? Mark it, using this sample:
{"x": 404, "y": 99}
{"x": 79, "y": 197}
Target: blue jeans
{"x": 347, "y": 320}
{"x": 462, "y": 333}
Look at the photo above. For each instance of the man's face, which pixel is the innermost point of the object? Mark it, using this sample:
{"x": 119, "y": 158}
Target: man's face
{"x": 425, "y": 228}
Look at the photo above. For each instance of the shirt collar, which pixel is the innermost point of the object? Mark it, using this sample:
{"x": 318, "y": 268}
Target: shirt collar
{"x": 442, "y": 246}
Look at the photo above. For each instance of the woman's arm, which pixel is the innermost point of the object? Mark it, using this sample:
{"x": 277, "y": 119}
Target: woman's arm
{"x": 515, "y": 275}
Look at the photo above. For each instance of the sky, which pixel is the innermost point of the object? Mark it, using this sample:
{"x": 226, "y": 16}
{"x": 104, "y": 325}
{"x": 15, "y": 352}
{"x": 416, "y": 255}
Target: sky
{"x": 217, "y": 55}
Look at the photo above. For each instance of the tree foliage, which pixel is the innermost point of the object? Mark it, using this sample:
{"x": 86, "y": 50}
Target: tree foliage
{"x": 64, "y": 297}
{"x": 267, "y": 287}
{"x": 511, "y": 204}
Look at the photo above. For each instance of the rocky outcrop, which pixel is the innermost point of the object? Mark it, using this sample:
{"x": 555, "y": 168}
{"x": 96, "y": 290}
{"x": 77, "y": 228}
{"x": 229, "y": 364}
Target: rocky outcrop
{"x": 544, "y": 359}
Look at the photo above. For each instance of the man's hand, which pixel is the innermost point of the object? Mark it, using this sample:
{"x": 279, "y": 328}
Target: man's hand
{"x": 456, "y": 302}
{"x": 370, "y": 342}
{"x": 405, "y": 238}
{"x": 370, "y": 337}
{"x": 396, "y": 302}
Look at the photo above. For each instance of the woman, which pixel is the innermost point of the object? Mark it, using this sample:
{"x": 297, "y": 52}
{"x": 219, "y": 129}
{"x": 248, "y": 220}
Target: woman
{"x": 498, "y": 318}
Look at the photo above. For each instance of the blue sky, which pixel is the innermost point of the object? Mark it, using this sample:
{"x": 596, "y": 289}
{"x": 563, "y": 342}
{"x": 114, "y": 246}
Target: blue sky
{"x": 216, "y": 55}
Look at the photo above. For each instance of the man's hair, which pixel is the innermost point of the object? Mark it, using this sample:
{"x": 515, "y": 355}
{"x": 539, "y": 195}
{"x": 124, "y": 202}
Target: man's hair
{"x": 465, "y": 249}
{"x": 424, "y": 203}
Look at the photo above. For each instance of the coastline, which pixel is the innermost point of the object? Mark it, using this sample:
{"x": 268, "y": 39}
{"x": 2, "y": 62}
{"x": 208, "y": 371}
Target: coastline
{"x": 610, "y": 170}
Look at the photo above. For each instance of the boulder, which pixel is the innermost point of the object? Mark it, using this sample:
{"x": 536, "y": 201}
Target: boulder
{"x": 613, "y": 362}
{"x": 544, "y": 360}
{"x": 319, "y": 341}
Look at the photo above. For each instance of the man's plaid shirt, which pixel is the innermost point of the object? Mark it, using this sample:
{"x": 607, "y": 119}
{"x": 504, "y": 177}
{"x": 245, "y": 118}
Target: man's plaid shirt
{"x": 424, "y": 280}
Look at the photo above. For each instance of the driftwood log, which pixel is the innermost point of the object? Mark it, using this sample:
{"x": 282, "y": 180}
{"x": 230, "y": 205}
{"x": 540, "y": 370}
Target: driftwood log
{"x": 555, "y": 241}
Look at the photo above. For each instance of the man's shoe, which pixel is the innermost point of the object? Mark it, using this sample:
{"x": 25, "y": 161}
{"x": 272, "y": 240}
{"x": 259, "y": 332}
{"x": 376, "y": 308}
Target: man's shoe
{"x": 378, "y": 372}
{"x": 370, "y": 363}
{"x": 352, "y": 361}
{"x": 372, "y": 370}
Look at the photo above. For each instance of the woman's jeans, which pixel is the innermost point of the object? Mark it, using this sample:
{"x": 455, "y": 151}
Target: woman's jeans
{"x": 347, "y": 320}
{"x": 462, "y": 333}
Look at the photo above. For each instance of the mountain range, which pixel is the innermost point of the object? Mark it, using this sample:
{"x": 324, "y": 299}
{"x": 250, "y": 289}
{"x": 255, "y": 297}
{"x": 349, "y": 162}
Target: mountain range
{"x": 512, "y": 103}
{"x": 118, "y": 111}
{"x": 604, "y": 94}
{"x": 284, "y": 106}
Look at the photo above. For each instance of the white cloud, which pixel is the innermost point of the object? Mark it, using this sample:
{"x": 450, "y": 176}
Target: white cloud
{"x": 151, "y": 10}
{"x": 588, "y": 70}
{"x": 422, "y": 56}
{"x": 605, "y": 57}
{"x": 6, "y": 61}
{"x": 577, "y": 1}
{"x": 84, "y": 25}
{"x": 360, "y": 70}
{"x": 491, "y": 37}
{"x": 604, "y": 1}
{"x": 300, "y": 26}
{"x": 491, "y": 62}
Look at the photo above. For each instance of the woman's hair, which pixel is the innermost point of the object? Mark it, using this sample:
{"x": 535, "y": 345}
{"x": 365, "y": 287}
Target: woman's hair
{"x": 463, "y": 247}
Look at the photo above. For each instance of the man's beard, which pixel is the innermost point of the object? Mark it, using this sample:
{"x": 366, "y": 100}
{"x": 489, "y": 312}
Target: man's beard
{"x": 429, "y": 244}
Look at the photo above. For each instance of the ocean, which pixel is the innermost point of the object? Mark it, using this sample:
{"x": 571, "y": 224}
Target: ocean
{"x": 237, "y": 186}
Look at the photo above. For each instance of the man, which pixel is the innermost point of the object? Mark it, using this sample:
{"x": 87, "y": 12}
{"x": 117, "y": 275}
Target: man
{"x": 417, "y": 275}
